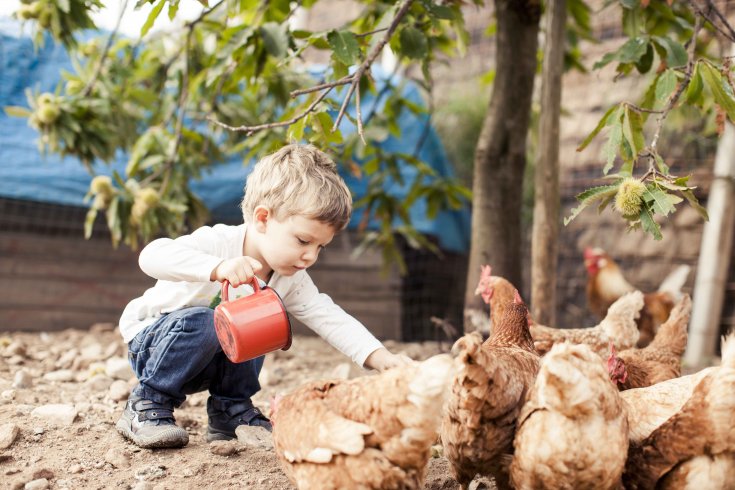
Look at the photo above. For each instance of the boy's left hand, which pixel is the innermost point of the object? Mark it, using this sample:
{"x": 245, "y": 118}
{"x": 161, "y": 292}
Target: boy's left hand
{"x": 382, "y": 359}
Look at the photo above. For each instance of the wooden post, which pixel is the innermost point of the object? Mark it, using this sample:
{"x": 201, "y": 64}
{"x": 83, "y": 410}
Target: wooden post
{"x": 714, "y": 256}
{"x": 545, "y": 234}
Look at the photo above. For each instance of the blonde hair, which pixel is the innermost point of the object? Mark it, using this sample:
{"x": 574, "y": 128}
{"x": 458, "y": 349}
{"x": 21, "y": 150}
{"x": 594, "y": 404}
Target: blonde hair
{"x": 298, "y": 180}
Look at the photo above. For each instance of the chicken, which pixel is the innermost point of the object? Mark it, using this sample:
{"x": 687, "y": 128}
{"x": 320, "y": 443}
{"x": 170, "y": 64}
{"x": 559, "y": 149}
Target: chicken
{"x": 372, "y": 432}
{"x": 606, "y": 283}
{"x": 573, "y": 431}
{"x": 618, "y": 326}
{"x": 487, "y": 393}
{"x": 661, "y": 359}
{"x": 682, "y": 436}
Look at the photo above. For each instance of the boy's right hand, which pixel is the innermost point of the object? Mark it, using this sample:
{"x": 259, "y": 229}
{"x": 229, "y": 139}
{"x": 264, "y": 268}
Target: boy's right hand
{"x": 239, "y": 270}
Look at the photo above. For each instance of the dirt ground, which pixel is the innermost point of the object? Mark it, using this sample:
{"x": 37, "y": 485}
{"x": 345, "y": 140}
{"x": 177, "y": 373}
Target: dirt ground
{"x": 62, "y": 392}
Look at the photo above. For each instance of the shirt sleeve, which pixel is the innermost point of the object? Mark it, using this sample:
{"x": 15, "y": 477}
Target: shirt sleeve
{"x": 189, "y": 258}
{"x": 318, "y": 312}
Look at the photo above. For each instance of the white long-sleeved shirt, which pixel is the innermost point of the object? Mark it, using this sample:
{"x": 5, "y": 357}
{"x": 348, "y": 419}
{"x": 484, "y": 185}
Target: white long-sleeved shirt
{"x": 183, "y": 267}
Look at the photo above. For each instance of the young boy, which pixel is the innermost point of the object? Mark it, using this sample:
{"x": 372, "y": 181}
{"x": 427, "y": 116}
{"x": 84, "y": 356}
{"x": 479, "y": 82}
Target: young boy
{"x": 294, "y": 204}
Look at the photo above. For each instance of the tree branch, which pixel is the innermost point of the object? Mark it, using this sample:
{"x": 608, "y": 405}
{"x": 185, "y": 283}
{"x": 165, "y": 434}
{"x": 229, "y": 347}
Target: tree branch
{"x": 728, "y": 32}
{"x": 249, "y": 130}
{"x": 321, "y": 86}
{"x": 98, "y": 70}
{"x": 365, "y": 65}
{"x": 682, "y": 86}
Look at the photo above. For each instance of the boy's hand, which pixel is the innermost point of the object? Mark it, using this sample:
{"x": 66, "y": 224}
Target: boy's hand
{"x": 238, "y": 270}
{"x": 382, "y": 359}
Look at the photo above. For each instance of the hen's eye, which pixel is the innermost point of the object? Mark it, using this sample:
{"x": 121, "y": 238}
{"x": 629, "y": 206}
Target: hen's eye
{"x": 302, "y": 242}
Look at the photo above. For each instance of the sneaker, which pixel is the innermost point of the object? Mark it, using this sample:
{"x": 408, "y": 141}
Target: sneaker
{"x": 226, "y": 416}
{"x": 150, "y": 425}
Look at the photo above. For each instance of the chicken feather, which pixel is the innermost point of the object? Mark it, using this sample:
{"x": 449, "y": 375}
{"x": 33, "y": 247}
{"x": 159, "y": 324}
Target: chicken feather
{"x": 487, "y": 393}
{"x": 697, "y": 439}
{"x": 661, "y": 359}
{"x": 572, "y": 433}
{"x": 618, "y": 327}
{"x": 372, "y": 432}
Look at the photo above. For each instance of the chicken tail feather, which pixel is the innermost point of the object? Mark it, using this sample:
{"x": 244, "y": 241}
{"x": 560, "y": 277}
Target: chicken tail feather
{"x": 431, "y": 381}
{"x": 673, "y": 283}
{"x": 728, "y": 350}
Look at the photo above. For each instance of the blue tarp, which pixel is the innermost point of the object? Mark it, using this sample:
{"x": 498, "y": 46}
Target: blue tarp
{"x": 26, "y": 174}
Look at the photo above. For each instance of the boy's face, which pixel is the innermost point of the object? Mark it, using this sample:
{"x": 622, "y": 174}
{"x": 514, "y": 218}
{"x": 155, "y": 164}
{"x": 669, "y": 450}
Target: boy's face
{"x": 293, "y": 244}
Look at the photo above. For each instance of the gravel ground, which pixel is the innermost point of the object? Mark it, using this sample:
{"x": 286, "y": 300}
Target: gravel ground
{"x": 62, "y": 392}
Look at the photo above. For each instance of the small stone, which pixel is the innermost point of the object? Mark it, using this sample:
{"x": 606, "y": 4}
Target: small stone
{"x": 99, "y": 382}
{"x": 16, "y": 349}
{"x": 8, "y": 435}
{"x": 38, "y": 430}
{"x": 8, "y": 395}
{"x": 39, "y": 484}
{"x": 62, "y": 375}
{"x": 150, "y": 473}
{"x": 117, "y": 458}
{"x": 56, "y": 413}
{"x": 119, "y": 390}
{"x": 22, "y": 379}
{"x": 437, "y": 451}
{"x": 75, "y": 469}
{"x": 223, "y": 448}
{"x": 265, "y": 377}
{"x": 254, "y": 436}
{"x": 43, "y": 473}
{"x": 118, "y": 368}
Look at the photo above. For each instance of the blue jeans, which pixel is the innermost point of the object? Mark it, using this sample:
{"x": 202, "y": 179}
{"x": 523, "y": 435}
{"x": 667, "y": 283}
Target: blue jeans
{"x": 179, "y": 354}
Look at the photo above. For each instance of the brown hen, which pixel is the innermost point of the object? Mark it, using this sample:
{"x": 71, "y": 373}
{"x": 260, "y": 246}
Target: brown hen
{"x": 573, "y": 432}
{"x": 618, "y": 326}
{"x": 606, "y": 283}
{"x": 661, "y": 359}
{"x": 683, "y": 430}
{"x": 487, "y": 394}
{"x": 372, "y": 432}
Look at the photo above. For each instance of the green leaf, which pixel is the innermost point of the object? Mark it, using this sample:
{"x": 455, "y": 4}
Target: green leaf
{"x": 604, "y": 121}
{"x": 723, "y": 97}
{"x": 666, "y": 85}
{"x": 629, "y": 4}
{"x": 89, "y": 222}
{"x": 611, "y": 148}
{"x": 661, "y": 202}
{"x": 676, "y": 55}
{"x": 662, "y": 167}
{"x": 643, "y": 65}
{"x": 296, "y": 130}
{"x": 414, "y": 44}
{"x": 649, "y": 224}
{"x": 694, "y": 202}
{"x": 591, "y": 195}
{"x": 633, "y": 131}
{"x": 152, "y": 16}
{"x": 275, "y": 39}
{"x": 633, "y": 50}
{"x": 694, "y": 89}
{"x": 63, "y": 5}
{"x": 17, "y": 111}
{"x": 345, "y": 46}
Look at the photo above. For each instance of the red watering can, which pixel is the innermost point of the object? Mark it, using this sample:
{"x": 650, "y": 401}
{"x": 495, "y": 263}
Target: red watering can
{"x": 251, "y": 326}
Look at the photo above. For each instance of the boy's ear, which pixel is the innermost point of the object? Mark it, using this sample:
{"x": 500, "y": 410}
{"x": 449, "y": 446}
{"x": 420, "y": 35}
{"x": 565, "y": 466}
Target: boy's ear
{"x": 261, "y": 214}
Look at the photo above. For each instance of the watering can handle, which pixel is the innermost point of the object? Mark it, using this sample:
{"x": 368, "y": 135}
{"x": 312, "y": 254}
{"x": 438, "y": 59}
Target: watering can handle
{"x": 225, "y": 287}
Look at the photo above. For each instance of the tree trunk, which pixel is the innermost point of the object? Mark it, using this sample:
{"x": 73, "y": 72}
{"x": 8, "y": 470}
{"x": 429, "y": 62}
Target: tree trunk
{"x": 544, "y": 242}
{"x": 500, "y": 157}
